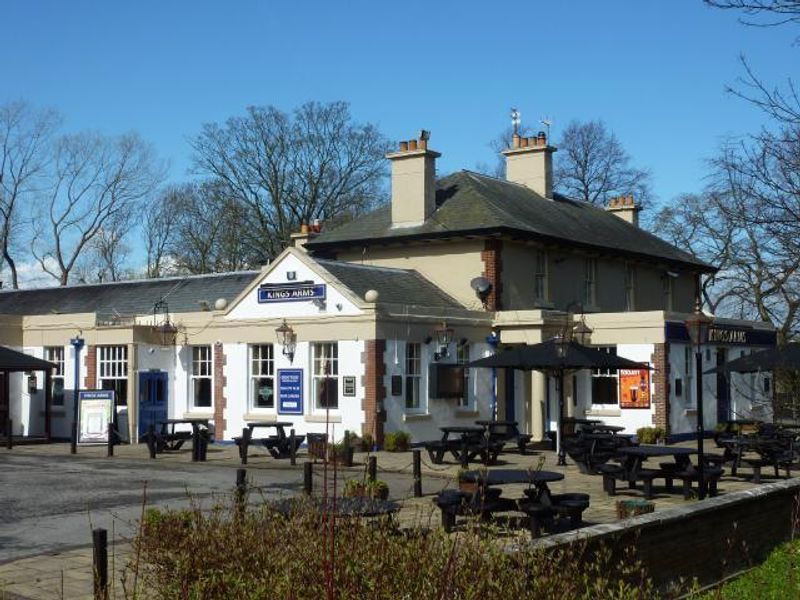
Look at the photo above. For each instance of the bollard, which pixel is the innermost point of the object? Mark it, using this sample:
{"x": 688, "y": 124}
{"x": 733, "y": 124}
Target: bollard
{"x": 308, "y": 481}
{"x": 151, "y": 440}
{"x": 73, "y": 446}
{"x": 204, "y": 439}
{"x": 464, "y": 454}
{"x": 246, "y": 432}
{"x": 292, "y": 448}
{"x": 417, "y": 473}
{"x": 372, "y": 468}
{"x": 100, "y": 563}
{"x": 9, "y": 434}
{"x": 348, "y": 451}
{"x": 110, "y": 442}
{"x": 195, "y": 444}
{"x": 241, "y": 490}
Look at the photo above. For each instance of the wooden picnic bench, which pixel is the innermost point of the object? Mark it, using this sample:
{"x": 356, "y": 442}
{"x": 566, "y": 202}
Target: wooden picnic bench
{"x": 278, "y": 445}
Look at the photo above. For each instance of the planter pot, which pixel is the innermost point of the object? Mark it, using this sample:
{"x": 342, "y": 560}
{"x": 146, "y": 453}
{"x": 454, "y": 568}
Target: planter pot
{"x": 468, "y": 487}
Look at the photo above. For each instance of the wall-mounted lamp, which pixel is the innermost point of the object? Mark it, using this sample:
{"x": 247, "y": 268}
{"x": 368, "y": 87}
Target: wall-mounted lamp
{"x": 32, "y": 383}
{"x": 443, "y": 335}
{"x": 319, "y": 303}
{"x": 287, "y": 338}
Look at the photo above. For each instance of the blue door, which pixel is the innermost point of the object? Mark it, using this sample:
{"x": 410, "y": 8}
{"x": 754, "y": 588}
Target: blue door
{"x": 152, "y": 399}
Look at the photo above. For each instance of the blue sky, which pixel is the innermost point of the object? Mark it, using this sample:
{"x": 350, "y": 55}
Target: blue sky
{"x": 654, "y": 71}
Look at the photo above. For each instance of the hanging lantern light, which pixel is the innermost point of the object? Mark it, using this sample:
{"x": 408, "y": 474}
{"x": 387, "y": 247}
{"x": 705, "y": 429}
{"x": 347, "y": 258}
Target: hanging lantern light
{"x": 287, "y": 338}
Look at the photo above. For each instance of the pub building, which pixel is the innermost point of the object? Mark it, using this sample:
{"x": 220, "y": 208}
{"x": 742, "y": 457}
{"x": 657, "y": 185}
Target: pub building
{"x": 369, "y": 325}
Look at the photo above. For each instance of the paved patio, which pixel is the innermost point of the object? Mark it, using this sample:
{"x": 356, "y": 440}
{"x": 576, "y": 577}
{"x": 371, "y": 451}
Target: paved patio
{"x": 68, "y": 574}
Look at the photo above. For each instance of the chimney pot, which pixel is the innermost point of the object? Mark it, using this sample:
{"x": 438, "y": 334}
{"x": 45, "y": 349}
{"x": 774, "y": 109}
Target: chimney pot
{"x": 303, "y": 228}
{"x": 523, "y": 142}
{"x": 515, "y": 140}
{"x": 403, "y": 146}
{"x": 542, "y": 137}
{"x": 423, "y": 144}
{"x": 412, "y": 144}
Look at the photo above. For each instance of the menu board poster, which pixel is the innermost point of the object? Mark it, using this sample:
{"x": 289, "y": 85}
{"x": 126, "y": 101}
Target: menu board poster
{"x": 94, "y": 414}
{"x": 634, "y": 388}
{"x": 290, "y": 391}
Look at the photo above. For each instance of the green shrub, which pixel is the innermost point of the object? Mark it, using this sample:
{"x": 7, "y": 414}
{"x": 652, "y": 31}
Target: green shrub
{"x": 366, "y": 442}
{"x": 397, "y": 441}
{"x": 355, "y": 488}
{"x": 650, "y": 435}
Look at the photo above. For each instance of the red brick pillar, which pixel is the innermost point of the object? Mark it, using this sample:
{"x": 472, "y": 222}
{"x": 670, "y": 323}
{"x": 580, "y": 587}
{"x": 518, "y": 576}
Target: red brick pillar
{"x": 90, "y": 360}
{"x": 220, "y": 401}
{"x": 492, "y": 268}
{"x": 374, "y": 389}
{"x": 660, "y": 359}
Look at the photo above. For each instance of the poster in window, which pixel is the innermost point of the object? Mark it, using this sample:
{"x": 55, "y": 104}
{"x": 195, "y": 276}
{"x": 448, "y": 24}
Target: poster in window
{"x": 94, "y": 415}
{"x": 290, "y": 391}
{"x": 348, "y": 385}
{"x": 634, "y": 388}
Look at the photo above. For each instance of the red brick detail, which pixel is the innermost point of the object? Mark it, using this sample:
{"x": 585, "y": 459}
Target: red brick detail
{"x": 220, "y": 401}
{"x": 90, "y": 360}
{"x": 660, "y": 360}
{"x": 492, "y": 269}
{"x": 374, "y": 389}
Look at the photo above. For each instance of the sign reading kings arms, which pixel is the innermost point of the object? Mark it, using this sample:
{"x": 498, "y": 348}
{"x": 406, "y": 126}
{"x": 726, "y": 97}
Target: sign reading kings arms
{"x": 291, "y": 292}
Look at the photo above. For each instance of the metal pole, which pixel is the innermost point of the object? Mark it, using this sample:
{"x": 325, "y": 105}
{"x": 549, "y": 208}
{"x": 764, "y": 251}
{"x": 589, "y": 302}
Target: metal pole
{"x": 73, "y": 447}
{"x": 110, "y": 442}
{"x": 701, "y": 484}
{"x": 77, "y": 344}
{"x": 417, "y": 473}
{"x": 100, "y": 563}
{"x": 308, "y": 478}
{"x": 372, "y": 468}
{"x": 151, "y": 440}
{"x": 292, "y": 448}
{"x": 559, "y": 439}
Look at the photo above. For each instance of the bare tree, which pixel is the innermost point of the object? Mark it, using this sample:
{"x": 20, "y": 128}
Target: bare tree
{"x": 762, "y": 13}
{"x": 94, "y": 181}
{"x": 291, "y": 169}
{"x": 25, "y": 133}
{"x": 159, "y": 232}
{"x": 592, "y": 165}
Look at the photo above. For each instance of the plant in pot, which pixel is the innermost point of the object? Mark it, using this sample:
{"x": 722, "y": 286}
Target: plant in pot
{"x": 470, "y": 487}
{"x": 357, "y": 488}
{"x": 397, "y": 441}
{"x": 341, "y": 452}
{"x": 651, "y": 435}
{"x": 366, "y": 443}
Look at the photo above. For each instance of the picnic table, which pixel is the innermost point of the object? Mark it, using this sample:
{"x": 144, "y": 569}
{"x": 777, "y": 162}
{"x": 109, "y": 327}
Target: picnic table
{"x": 278, "y": 445}
{"x": 603, "y": 428}
{"x": 167, "y": 436}
{"x": 506, "y": 431}
{"x": 632, "y": 469}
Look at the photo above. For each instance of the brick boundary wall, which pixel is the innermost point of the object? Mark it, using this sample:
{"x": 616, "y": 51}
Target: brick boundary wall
{"x": 220, "y": 401}
{"x": 660, "y": 360}
{"x": 90, "y": 360}
{"x": 492, "y": 257}
{"x": 710, "y": 540}
{"x": 374, "y": 389}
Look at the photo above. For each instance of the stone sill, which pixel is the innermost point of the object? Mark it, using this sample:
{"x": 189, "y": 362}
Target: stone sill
{"x": 263, "y": 417}
{"x": 417, "y": 417}
{"x": 467, "y": 413}
{"x": 198, "y": 415}
{"x": 604, "y": 412}
{"x": 322, "y": 419}
{"x": 689, "y": 412}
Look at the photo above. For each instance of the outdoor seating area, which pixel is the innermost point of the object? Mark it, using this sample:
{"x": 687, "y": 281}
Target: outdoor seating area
{"x": 278, "y": 445}
{"x": 170, "y": 435}
{"x": 758, "y": 445}
{"x": 483, "y": 442}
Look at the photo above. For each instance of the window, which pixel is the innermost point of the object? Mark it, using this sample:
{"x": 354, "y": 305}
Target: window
{"x": 688, "y": 370}
{"x": 630, "y": 287}
{"x": 590, "y": 282}
{"x": 200, "y": 384}
{"x": 462, "y": 357}
{"x": 262, "y": 382}
{"x": 326, "y": 374}
{"x": 605, "y": 382}
{"x": 666, "y": 283}
{"x": 113, "y": 369}
{"x": 540, "y": 276}
{"x": 55, "y": 354}
{"x": 413, "y": 376}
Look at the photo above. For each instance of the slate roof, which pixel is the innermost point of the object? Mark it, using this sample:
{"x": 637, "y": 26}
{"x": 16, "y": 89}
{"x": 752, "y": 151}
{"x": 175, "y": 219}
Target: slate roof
{"x": 473, "y": 204}
{"x": 135, "y": 297}
{"x": 11, "y": 360}
{"x": 394, "y": 286}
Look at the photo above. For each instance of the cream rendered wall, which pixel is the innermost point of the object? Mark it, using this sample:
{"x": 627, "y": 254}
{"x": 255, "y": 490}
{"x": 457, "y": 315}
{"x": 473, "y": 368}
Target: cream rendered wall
{"x": 449, "y": 265}
{"x": 424, "y": 424}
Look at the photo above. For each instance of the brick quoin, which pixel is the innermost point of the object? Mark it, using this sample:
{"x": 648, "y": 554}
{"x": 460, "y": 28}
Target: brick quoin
{"x": 220, "y": 401}
{"x": 374, "y": 389}
{"x": 90, "y": 360}
{"x": 492, "y": 268}
{"x": 660, "y": 360}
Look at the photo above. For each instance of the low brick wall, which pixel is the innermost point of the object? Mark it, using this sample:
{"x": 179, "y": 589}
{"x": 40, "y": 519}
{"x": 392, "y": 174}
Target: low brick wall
{"x": 708, "y": 540}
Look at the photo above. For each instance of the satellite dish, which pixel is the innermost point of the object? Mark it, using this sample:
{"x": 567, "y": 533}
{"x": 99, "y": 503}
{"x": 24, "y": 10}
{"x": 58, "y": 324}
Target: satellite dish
{"x": 481, "y": 285}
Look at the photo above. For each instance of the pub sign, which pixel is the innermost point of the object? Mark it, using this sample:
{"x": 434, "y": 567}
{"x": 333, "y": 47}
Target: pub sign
{"x": 291, "y": 292}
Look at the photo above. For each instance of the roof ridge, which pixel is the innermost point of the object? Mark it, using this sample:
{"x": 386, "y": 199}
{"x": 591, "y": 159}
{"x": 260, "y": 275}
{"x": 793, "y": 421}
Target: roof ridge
{"x": 331, "y": 261}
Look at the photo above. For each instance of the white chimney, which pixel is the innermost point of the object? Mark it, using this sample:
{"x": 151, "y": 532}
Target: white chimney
{"x": 413, "y": 182}
{"x": 529, "y": 162}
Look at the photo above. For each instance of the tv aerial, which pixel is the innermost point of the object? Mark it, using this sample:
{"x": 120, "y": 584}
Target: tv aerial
{"x": 547, "y": 121}
{"x": 516, "y": 119}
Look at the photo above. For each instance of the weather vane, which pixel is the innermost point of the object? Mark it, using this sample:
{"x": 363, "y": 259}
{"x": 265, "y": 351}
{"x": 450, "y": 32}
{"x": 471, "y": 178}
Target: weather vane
{"x": 515, "y": 120}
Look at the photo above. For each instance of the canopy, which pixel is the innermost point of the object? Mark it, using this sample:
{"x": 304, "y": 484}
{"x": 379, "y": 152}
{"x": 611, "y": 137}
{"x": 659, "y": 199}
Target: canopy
{"x": 546, "y": 357}
{"x": 781, "y": 357}
{"x": 11, "y": 360}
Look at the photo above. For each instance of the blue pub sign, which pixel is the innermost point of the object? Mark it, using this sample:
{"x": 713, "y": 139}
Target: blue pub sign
{"x": 290, "y": 391}
{"x": 291, "y": 292}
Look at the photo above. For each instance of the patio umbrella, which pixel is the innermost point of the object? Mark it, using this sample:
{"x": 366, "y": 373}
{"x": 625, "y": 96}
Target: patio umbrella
{"x": 556, "y": 357}
{"x": 779, "y": 358}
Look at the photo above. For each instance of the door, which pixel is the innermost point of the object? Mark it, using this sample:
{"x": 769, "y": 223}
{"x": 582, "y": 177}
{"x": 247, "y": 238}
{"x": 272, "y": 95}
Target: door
{"x": 152, "y": 399}
{"x": 723, "y": 389}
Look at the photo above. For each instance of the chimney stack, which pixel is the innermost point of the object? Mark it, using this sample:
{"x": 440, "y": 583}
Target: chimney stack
{"x": 625, "y": 208}
{"x": 529, "y": 162}
{"x": 307, "y": 232}
{"x": 413, "y": 182}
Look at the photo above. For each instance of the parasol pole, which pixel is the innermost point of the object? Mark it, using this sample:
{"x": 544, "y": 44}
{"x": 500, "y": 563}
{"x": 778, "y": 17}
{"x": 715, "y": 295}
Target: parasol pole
{"x": 559, "y": 441}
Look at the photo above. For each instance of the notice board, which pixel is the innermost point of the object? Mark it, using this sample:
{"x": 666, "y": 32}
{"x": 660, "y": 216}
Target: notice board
{"x": 290, "y": 391}
{"x": 95, "y": 412}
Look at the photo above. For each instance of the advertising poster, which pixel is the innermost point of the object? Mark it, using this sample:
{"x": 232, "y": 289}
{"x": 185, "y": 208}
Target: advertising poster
{"x": 634, "y": 388}
{"x": 94, "y": 413}
{"x": 290, "y": 391}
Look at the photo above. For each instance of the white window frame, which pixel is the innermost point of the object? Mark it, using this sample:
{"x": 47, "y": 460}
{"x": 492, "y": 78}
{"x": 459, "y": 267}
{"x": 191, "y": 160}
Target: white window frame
{"x": 112, "y": 365}
{"x": 56, "y": 354}
{"x": 201, "y": 368}
{"x": 590, "y": 281}
{"x": 605, "y": 373}
{"x": 540, "y": 280}
{"x": 261, "y": 367}
{"x": 667, "y": 291}
{"x": 324, "y": 354}
{"x": 412, "y": 382}
{"x": 630, "y": 287}
{"x": 462, "y": 358}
